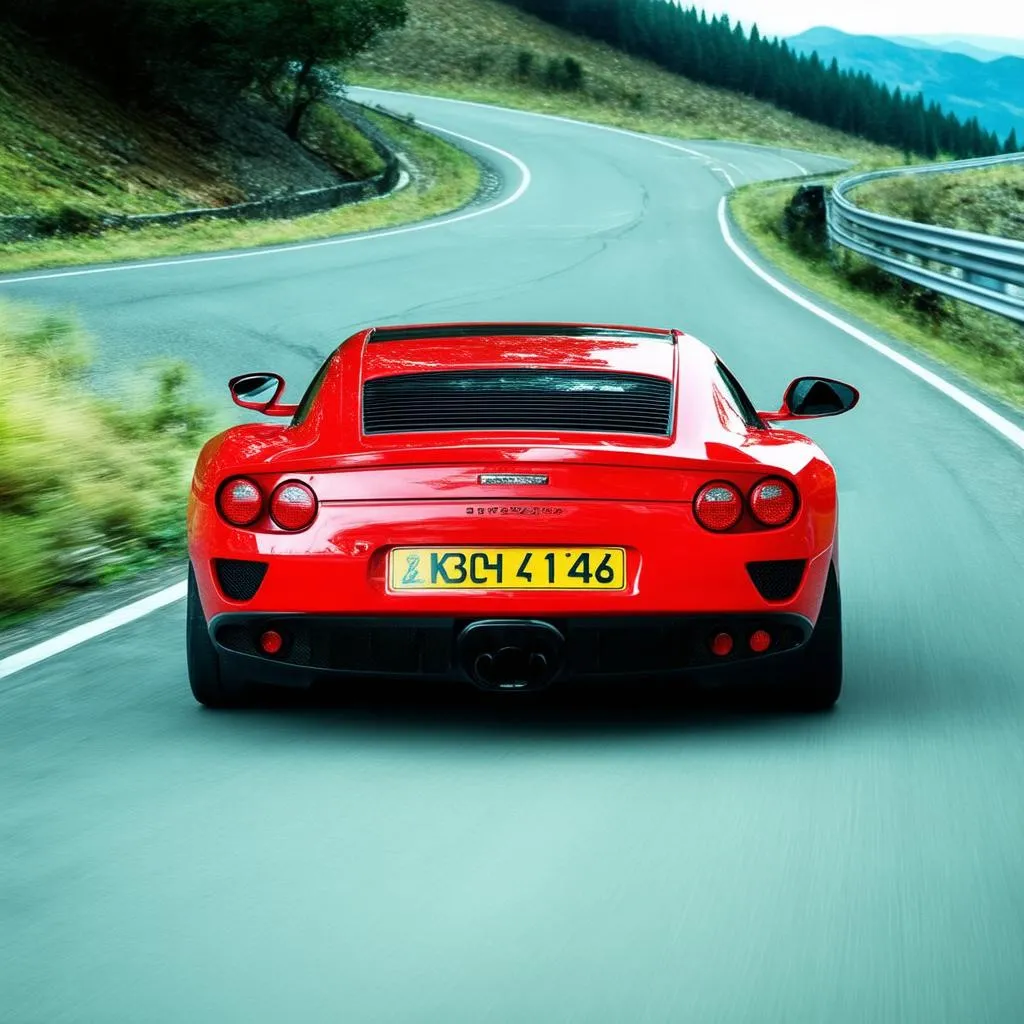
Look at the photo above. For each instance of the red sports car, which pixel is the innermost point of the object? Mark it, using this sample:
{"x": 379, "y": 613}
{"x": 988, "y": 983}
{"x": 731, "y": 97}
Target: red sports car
{"x": 513, "y": 505}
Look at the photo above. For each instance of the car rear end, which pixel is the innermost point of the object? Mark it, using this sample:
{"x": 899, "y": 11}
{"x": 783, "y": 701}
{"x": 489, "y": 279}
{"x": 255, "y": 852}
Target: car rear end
{"x": 512, "y": 520}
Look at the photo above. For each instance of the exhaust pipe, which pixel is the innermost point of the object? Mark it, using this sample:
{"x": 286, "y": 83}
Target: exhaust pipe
{"x": 511, "y": 654}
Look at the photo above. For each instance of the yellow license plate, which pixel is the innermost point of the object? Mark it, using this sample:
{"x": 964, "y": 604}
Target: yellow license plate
{"x": 507, "y": 569}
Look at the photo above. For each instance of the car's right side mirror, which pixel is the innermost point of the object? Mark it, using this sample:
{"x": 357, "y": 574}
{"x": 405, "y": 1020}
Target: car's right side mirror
{"x": 810, "y": 397}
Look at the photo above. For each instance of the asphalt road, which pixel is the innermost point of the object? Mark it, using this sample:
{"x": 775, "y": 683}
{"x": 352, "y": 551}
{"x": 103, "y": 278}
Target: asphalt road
{"x": 447, "y": 859}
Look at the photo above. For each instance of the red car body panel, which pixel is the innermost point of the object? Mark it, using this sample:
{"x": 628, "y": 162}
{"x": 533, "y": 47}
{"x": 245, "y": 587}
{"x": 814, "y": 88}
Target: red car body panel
{"x": 379, "y": 491}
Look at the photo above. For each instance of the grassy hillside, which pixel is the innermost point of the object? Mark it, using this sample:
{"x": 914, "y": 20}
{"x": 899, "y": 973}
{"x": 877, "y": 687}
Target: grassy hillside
{"x": 989, "y": 201}
{"x": 488, "y": 51}
{"x": 447, "y": 178}
{"x": 64, "y": 141}
{"x": 67, "y": 143}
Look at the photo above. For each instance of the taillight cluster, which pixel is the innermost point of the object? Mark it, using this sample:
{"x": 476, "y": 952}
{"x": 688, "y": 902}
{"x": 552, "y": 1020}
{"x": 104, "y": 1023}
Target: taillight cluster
{"x": 719, "y": 505}
{"x": 291, "y": 506}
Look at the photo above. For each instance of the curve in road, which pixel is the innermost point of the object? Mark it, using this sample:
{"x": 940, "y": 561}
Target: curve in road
{"x": 451, "y": 860}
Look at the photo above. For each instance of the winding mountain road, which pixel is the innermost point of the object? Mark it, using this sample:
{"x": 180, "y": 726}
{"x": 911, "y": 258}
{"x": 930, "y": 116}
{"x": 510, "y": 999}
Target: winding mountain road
{"x": 448, "y": 859}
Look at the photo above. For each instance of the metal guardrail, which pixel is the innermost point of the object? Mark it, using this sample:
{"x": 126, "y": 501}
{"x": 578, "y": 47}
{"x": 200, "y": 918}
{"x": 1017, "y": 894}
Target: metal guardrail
{"x": 981, "y": 269}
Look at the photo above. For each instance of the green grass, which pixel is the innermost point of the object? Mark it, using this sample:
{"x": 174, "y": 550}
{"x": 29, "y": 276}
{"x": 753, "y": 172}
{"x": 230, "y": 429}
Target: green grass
{"x": 472, "y": 49}
{"x": 340, "y": 143}
{"x": 989, "y": 201}
{"x": 90, "y": 488}
{"x": 985, "y": 348}
{"x": 66, "y": 142}
{"x": 449, "y": 179}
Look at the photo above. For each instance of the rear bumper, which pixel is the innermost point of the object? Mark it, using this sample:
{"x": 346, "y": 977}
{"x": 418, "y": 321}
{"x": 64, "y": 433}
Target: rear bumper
{"x": 319, "y": 647}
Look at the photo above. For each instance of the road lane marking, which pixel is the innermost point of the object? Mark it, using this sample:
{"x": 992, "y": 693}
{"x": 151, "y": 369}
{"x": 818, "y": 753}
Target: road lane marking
{"x": 547, "y": 117}
{"x": 1001, "y": 424}
{"x": 90, "y": 630}
{"x": 801, "y": 169}
{"x": 525, "y": 178}
{"x": 725, "y": 174}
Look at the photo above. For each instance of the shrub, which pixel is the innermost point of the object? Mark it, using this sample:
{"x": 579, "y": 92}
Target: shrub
{"x": 88, "y": 485}
{"x": 564, "y": 73}
{"x": 524, "y": 65}
{"x": 804, "y": 224}
{"x": 68, "y": 220}
{"x": 636, "y": 99}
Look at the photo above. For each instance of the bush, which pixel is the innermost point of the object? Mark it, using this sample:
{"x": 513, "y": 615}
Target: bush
{"x": 524, "y": 65}
{"x": 564, "y": 73}
{"x": 88, "y": 485}
{"x": 68, "y": 220}
{"x": 804, "y": 221}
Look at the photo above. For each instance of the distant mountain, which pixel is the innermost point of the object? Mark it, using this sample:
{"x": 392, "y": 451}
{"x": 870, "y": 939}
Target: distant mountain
{"x": 955, "y": 46}
{"x": 992, "y": 90}
{"x": 1004, "y": 46}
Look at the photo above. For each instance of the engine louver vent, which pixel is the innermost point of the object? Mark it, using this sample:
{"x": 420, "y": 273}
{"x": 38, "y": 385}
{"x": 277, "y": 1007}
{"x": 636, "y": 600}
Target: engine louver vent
{"x": 518, "y": 399}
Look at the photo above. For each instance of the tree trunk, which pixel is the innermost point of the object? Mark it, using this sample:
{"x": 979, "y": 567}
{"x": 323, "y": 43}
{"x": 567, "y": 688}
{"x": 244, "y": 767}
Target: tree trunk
{"x": 301, "y": 99}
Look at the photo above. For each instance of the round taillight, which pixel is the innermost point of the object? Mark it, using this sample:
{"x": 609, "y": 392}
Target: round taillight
{"x": 773, "y": 502}
{"x": 240, "y": 502}
{"x": 293, "y": 506}
{"x": 718, "y": 506}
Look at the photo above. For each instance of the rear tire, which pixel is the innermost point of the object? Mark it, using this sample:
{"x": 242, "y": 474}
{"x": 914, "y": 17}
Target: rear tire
{"x": 816, "y": 679}
{"x": 211, "y": 686}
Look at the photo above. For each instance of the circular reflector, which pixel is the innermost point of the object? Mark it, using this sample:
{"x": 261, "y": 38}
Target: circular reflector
{"x": 240, "y": 501}
{"x": 271, "y": 641}
{"x": 721, "y": 644}
{"x": 293, "y": 505}
{"x": 773, "y": 502}
{"x": 718, "y": 506}
{"x": 760, "y": 640}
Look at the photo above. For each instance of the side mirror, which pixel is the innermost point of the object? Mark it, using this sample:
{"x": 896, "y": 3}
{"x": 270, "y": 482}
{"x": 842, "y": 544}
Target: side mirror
{"x": 260, "y": 392}
{"x": 810, "y": 397}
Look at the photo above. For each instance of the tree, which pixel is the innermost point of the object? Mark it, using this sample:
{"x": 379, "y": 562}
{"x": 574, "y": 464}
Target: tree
{"x": 143, "y": 47}
{"x": 300, "y": 39}
{"x": 1011, "y": 145}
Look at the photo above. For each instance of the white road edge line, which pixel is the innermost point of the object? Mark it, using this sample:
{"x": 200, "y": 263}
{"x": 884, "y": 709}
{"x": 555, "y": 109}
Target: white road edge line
{"x": 1008, "y": 429}
{"x": 801, "y": 169}
{"x": 130, "y": 612}
{"x": 90, "y": 630}
{"x": 726, "y": 175}
{"x": 548, "y": 117}
{"x": 524, "y": 183}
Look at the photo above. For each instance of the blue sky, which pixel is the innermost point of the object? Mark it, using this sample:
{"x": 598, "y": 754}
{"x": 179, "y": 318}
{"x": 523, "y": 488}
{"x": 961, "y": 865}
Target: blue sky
{"x": 877, "y": 17}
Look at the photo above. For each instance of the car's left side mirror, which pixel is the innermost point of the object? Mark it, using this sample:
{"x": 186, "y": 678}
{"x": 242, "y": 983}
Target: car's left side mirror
{"x": 810, "y": 397}
{"x": 260, "y": 392}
